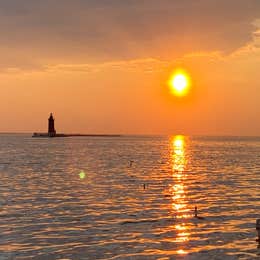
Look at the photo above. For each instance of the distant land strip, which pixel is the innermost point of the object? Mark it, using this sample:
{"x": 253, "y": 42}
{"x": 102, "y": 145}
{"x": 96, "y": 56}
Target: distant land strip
{"x": 42, "y": 135}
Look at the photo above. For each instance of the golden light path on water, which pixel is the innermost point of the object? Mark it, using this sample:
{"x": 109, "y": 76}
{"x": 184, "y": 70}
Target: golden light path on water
{"x": 178, "y": 189}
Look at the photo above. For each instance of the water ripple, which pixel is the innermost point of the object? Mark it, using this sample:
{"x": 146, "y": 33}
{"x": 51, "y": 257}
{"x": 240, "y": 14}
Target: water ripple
{"x": 114, "y": 211}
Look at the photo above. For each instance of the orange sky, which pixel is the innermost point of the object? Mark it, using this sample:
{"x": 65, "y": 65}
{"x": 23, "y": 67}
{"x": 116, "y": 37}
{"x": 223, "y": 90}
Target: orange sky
{"x": 103, "y": 66}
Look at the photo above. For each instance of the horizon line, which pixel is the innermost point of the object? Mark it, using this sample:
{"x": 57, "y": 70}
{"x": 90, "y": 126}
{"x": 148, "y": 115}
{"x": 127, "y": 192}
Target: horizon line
{"x": 143, "y": 134}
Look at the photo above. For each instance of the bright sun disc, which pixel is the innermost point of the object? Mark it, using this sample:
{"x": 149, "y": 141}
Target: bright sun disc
{"x": 179, "y": 84}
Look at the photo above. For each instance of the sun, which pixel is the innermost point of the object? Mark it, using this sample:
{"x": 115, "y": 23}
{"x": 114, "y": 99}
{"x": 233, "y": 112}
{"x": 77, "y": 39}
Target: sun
{"x": 179, "y": 83}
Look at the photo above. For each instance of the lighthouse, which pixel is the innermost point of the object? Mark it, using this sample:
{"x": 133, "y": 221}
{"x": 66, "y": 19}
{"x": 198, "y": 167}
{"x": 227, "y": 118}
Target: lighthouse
{"x": 51, "y": 127}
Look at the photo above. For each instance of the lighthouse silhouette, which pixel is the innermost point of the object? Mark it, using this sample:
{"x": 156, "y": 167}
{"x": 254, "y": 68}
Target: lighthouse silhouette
{"x": 51, "y": 127}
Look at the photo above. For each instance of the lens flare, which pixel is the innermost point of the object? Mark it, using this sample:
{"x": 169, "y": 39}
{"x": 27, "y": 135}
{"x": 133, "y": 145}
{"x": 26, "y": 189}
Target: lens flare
{"x": 82, "y": 175}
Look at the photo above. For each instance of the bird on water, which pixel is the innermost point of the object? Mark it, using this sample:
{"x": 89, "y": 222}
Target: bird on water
{"x": 131, "y": 163}
{"x": 196, "y": 213}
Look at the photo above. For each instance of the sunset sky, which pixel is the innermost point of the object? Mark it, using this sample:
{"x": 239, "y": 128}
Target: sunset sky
{"x": 102, "y": 66}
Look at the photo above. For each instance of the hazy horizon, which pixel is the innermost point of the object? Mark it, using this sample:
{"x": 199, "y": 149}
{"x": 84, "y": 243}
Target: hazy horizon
{"x": 103, "y": 66}
{"x": 139, "y": 135}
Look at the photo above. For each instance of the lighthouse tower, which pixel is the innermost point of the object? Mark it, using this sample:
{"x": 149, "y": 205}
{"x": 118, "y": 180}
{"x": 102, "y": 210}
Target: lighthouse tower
{"x": 51, "y": 127}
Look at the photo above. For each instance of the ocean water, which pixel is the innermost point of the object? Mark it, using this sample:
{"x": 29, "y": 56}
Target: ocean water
{"x": 81, "y": 198}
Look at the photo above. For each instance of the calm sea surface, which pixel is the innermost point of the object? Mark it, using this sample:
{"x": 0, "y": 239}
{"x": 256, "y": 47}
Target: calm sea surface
{"x": 81, "y": 198}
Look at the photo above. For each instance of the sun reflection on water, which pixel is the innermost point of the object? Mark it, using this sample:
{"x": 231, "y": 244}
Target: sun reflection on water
{"x": 177, "y": 189}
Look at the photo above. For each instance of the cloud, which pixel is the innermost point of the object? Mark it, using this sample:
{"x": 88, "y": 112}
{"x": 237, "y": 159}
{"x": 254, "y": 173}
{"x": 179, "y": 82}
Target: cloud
{"x": 251, "y": 48}
{"x": 147, "y": 65}
{"x": 40, "y": 33}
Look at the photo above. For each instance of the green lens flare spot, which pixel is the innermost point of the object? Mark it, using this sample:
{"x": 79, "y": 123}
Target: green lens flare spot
{"x": 82, "y": 175}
